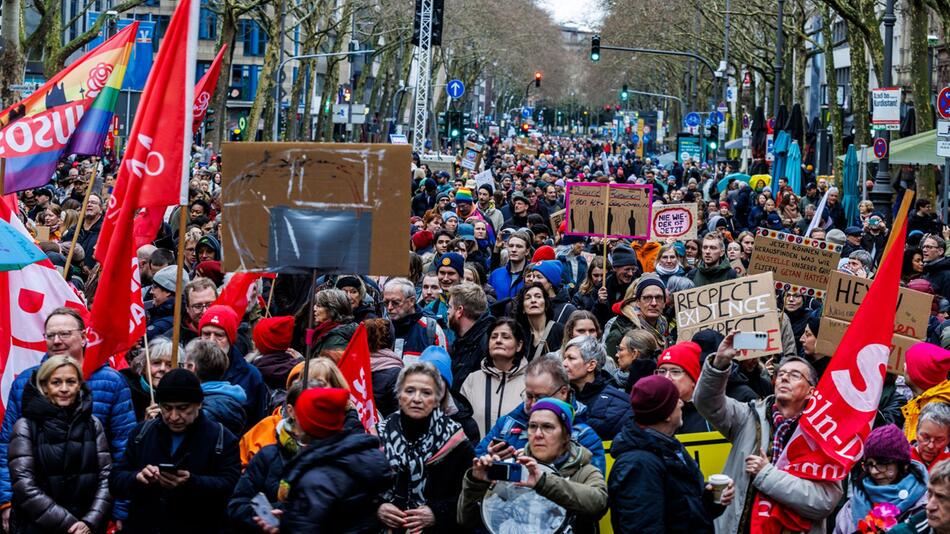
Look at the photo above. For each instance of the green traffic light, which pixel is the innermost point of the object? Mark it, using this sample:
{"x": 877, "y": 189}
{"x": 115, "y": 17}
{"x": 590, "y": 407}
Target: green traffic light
{"x": 594, "y": 56}
{"x": 455, "y": 133}
{"x": 713, "y": 145}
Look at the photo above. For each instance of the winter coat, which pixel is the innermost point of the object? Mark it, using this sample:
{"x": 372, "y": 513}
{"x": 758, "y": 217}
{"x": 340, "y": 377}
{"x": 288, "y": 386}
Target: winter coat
{"x": 492, "y": 393}
{"x": 506, "y": 283}
{"x": 262, "y": 475}
{"x": 223, "y": 403}
{"x": 208, "y": 451}
{"x": 111, "y": 405}
{"x": 874, "y": 244}
{"x": 59, "y": 466}
{"x": 513, "y": 428}
{"x": 141, "y": 398}
{"x": 275, "y": 368}
{"x": 87, "y": 239}
{"x": 561, "y": 305}
{"x": 703, "y": 275}
{"x": 241, "y": 373}
{"x": 608, "y": 407}
{"x": 469, "y": 349}
{"x": 655, "y": 485}
{"x": 926, "y": 224}
{"x": 578, "y": 487}
{"x": 615, "y": 294}
{"x": 813, "y": 500}
{"x": 418, "y": 332}
{"x": 334, "y": 483}
{"x": 385, "y": 366}
{"x": 551, "y": 343}
{"x": 845, "y": 523}
{"x": 938, "y": 274}
{"x": 335, "y": 341}
{"x": 161, "y": 319}
{"x": 692, "y": 421}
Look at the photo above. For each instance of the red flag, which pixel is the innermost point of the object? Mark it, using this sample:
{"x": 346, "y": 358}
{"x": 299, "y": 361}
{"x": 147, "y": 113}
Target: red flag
{"x": 831, "y": 432}
{"x": 237, "y": 293}
{"x": 355, "y": 368}
{"x": 155, "y": 168}
{"x": 205, "y": 89}
{"x": 153, "y": 174}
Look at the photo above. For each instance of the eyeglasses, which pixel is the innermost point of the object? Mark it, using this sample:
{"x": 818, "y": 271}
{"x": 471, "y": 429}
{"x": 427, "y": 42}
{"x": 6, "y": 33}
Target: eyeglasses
{"x": 525, "y": 396}
{"x": 546, "y": 428}
{"x": 792, "y": 375}
{"x": 672, "y": 373}
{"x": 882, "y": 465}
{"x": 924, "y": 439}
{"x": 65, "y": 334}
{"x": 652, "y": 298}
{"x": 393, "y": 303}
{"x": 200, "y": 307}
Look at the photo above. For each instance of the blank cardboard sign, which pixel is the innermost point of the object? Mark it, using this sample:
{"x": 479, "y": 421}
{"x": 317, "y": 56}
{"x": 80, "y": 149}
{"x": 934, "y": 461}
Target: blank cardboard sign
{"x": 294, "y": 207}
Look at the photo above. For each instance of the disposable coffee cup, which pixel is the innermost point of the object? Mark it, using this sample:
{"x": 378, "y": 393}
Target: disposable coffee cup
{"x": 719, "y": 483}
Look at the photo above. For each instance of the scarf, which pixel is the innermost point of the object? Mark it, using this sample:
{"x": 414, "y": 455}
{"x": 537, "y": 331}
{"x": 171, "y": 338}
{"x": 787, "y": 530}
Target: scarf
{"x": 318, "y": 332}
{"x": 288, "y": 442}
{"x": 411, "y": 457}
{"x": 904, "y": 494}
{"x": 783, "y": 429}
{"x": 663, "y": 271}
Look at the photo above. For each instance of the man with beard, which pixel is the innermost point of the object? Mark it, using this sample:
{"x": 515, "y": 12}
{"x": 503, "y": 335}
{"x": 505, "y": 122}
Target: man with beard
{"x": 714, "y": 267}
{"x": 469, "y": 319}
{"x": 414, "y": 332}
{"x": 487, "y": 207}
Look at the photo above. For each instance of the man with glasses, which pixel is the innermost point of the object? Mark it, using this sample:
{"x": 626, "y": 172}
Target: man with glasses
{"x": 545, "y": 376}
{"x": 65, "y": 333}
{"x": 680, "y": 363}
{"x": 414, "y": 331}
{"x": 199, "y": 294}
{"x": 933, "y": 435}
{"x": 759, "y": 433}
{"x": 936, "y": 264}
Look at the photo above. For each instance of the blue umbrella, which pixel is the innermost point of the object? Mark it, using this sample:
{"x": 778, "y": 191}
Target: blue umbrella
{"x": 724, "y": 183}
{"x": 16, "y": 250}
{"x": 850, "y": 180}
{"x": 793, "y": 167}
{"x": 780, "y": 151}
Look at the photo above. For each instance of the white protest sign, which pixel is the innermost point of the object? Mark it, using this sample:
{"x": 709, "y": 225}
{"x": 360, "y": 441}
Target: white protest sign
{"x": 485, "y": 178}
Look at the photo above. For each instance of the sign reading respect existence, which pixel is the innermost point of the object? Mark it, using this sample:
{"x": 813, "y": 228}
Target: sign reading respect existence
{"x": 798, "y": 263}
{"x": 845, "y": 293}
{"x": 676, "y": 221}
{"x": 746, "y": 304}
{"x": 625, "y": 208}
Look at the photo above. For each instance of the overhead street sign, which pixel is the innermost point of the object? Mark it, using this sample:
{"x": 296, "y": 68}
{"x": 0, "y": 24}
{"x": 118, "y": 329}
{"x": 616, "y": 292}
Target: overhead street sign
{"x": 455, "y": 89}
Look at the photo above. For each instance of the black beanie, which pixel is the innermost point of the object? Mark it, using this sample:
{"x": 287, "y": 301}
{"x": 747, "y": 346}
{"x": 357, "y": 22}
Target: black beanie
{"x": 179, "y": 385}
{"x": 814, "y": 320}
{"x": 622, "y": 256}
{"x": 349, "y": 281}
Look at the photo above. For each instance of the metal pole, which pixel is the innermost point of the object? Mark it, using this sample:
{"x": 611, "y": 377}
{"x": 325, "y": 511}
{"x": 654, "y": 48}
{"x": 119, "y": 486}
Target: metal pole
{"x": 946, "y": 182}
{"x": 779, "y": 44}
{"x": 883, "y": 192}
{"x": 703, "y": 60}
{"x": 725, "y": 82}
{"x": 863, "y": 171}
{"x": 423, "y": 76}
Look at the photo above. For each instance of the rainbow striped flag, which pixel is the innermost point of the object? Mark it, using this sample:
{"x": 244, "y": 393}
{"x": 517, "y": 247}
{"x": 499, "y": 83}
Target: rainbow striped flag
{"x": 70, "y": 114}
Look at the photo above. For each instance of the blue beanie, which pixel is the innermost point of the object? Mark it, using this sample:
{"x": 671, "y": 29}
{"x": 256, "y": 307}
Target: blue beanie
{"x": 550, "y": 269}
{"x": 440, "y": 359}
{"x": 466, "y": 231}
{"x": 446, "y": 215}
{"x": 453, "y": 260}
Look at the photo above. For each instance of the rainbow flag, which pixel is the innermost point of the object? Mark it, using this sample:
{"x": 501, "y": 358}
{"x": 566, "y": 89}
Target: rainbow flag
{"x": 70, "y": 114}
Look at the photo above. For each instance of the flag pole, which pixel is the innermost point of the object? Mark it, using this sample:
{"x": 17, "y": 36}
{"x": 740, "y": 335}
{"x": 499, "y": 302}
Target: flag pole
{"x": 85, "y": 202}
{"x": 270, "y": 295}
{"x": 148, "y": 368}
{"x": 176, "y": 328}
{"x": 311, "y": 301}
{"x": 603, "y": 283}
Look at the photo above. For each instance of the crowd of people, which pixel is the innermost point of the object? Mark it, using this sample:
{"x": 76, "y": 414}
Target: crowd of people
{"x": 509, "y": 364}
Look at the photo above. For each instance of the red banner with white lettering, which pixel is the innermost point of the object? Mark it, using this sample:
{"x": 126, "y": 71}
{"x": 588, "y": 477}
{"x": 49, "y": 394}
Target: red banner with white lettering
{"x": 356, "y": 369}
{"x": 838, "y": 417}
{"x": 239, "y": 290}
{"x": 205, "y": 90}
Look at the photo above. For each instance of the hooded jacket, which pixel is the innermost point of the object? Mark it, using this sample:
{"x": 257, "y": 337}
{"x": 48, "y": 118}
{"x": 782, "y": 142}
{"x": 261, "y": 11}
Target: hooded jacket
{"x": 938, "y": 274}
{"x": 241, "y": 373}
{"x": 608, "y": 407}
{"x": 211, "y": 242}
{"x": 59, "y": 466}
{"x": 492, "y": 393}
{"x": 704, "y": 275}
{"x": 223, "y": 403}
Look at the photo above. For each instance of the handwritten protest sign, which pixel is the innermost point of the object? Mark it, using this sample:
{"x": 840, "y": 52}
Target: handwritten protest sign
{"x": 557, "y": 218}
{"x": 832, "y": 330}
{"x": 471, "y": 156}
{"x": 746, "y": 304}
{"x": 628, "y": 212}
{"x": 485, "y": 178}
{"x": 795, "y": 261}
{"x": 525, "y": 150}
{"x": 675, "y": 220}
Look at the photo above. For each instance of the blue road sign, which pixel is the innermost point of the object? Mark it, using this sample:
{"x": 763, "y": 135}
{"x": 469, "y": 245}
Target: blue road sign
{"x": 525, "y": 113}
{"x": 455, "y": 89}
{"x": 635, "y": 139}
{"x": 717, "y": 117}
{"x": 693, "y": 119}
{"x": 943, "y": 103}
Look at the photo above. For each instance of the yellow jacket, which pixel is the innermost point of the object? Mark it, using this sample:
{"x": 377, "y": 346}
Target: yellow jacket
{"x": 911, "y": 411}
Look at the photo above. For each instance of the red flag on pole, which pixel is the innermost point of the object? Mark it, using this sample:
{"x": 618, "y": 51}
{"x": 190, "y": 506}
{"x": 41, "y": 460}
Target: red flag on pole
{"x": 356, "y": 369}
{"x": 838, "y": 417}
{"x": 237, "y": 293}
{"x": 153, "y": 174}
{"x": 205, "y": 89}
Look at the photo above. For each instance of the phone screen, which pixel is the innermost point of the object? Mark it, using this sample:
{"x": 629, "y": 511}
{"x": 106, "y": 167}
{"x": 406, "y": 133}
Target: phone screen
{"x": 504, "y": 471}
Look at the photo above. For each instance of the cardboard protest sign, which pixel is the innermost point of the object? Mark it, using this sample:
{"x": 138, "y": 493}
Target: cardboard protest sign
{"x": 628, "y": 210}
{"x": 796, "y": 262}
{"x": 525, "y": 150}
{"x": 832, "y": 330}
{"x": 439, "y": 163}
{"x": 295, "y": 207}
{"x": 471, "y": 156}
{"x": 557, "y": 218}
{"x": 746, "y": 304}
{"x": 485, "y": 178}
{"x": 677, "y": 221}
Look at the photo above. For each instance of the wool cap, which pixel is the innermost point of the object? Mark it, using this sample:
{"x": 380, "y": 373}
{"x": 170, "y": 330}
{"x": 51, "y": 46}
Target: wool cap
{"x": 887, "y": 443}
{"x": 686, "y": 355}
{"x": 653, "y": 398}
{"x": 179, "y": 385}
{"x": 165, "y": 278}
{"x": 623, "y": 256}
{"x": 320, "y": 412}
{"x": 223, "y": 317}
{"x": 550, "y": 269}
{"x": 646, "y": 281}
{"x": 464, "y": 194}
{"x": 422, "y": 239}
{"x": 927, "y": 365}
{"x": 453, "y": 260}
{"x": 273, "y": 334}
{"x": 544, "y": 252}
{"x": 440, "y": 359}
{"x": 563, "y": 411}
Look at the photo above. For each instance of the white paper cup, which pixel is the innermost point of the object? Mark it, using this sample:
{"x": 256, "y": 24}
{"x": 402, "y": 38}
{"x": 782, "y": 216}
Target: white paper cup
{"x": 719, "y": 482}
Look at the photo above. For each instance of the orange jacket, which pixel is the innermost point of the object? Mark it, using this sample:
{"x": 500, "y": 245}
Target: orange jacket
{"x": 262, "y": 434}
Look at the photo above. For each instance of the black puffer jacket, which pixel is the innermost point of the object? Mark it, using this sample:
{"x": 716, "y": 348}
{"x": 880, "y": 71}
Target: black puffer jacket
{"x": 59, "y": 466}
{"x": 938, "y": 274}
{"x": 608, "y": 408}
{"x": 468, "y": 351}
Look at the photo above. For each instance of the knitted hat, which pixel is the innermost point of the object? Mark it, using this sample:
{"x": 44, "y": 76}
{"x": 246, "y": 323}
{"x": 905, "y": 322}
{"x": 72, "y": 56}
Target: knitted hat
{"x": 349, "y": 281}
{"x": 211, "y": 269}
{"x": 653, "y": 399}
{"x": 453, "y": 260}
{"x": 544, "y": 253}
{"x": 439, "y": 358}
{"x": 464, "y": 194}
{"x": 887, "y": 443}
{"x": 273, "y": 334}
{"x": 487, "y": 187}
{"x": 430, "y": 184}
{"x": 223, "y": 317}
{"x": 685, "y": 355}
{"x": 423, "y": 239}
{"x": 446, "y": 215}
{"x": 708, "y": 341}
{"x": 179, "y": 385}
{"x": 165, "y": 278}
{"x": 927, "y": 365}
{"x": 623, "y": 256}
{"x": 550, "y": 269}
{"x": 646, "y": 281}
{"x": 563, "y": 411}
{"x": 835, "y": 236}
{"x": 321, "y": 411}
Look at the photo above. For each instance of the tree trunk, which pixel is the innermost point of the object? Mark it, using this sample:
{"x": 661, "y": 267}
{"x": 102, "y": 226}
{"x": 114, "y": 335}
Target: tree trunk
{"x": 296, "y": 93}
{"x": 834, "y": 110}
{"x": 268, "y": 75}
{"x": 920, "y": 83}
{"x": 12, "y": 59}
{"x": 53, "y": 41}
{"x": 216, "y": 134}
{"x": 859, "y": 88}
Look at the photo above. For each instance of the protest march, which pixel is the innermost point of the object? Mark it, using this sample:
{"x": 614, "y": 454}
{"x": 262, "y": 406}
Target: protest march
{"x": 551, "y": 332}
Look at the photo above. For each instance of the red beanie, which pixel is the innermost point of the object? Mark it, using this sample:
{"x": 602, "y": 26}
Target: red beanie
{"x": 321, "y": 411}
{"x": 422, "y": 239}
{"x": 544, "y": 253}
{"x": 273, "y": 334}
{"x": 223, "y": 317}
{"x": 211, "y": 269}
{"x": 927, "y": 365}
{"x": 685, "y": 355}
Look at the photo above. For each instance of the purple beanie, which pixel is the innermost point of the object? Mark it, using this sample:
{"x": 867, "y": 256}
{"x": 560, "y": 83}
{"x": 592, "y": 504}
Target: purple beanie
{"x": 887, "y": 443}
{"x": 653, "y": 399}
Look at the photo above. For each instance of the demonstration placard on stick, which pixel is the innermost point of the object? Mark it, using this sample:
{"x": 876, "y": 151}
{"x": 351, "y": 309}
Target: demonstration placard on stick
{"x": 846, "y": 292}
{"x": 299, "y": 207}
{"x": 798, "y": 263}
{"x": 745, "y": 304}
{"x": 621, "y": 211}
{"x": 677, "y": 221}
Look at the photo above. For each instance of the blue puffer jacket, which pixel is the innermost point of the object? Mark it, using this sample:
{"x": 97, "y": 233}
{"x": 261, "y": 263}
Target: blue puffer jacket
{"x": 513, "y": 428}
{"x": 111, "y": 404}
{"x": 224, "y": 404}
{"x": 161, "y": 319}
{"x": 505, "y": 283}
{"x": 608, "y": 407}
{"x": 243, "y": 374}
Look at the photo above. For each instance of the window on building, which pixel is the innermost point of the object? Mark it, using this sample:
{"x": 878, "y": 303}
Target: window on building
{"x": 823, "y": 95}
{"x": 201, "y": 68}
{"x": 839, "y": 31}
{"x": 253, "y": 37}
{"x": 207, "y": 23}
{"x": 245, "y": 78}
{"x": 843, "y": 78}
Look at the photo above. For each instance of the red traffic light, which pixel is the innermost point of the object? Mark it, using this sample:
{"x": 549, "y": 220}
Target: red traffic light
{"x": 525, "y": 126}
{"x": 537, "y": 75}
{"x": 617, "y": 107}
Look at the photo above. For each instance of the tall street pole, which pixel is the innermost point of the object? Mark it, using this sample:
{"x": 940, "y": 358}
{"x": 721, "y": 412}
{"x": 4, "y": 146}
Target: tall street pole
{"x": 883, "y": 192}
{"x": 779, "y": 44}
{"x": 725, "y": 82}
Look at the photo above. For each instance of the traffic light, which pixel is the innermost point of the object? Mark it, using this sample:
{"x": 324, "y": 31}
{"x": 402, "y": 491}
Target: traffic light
{"x": 537, "y": 79}
{"x": 209, "y": 117}
{"x": 714, "y": 137}
{"x": 525, "y": 127}
{"x": 624, "y": 93}
{"x": 595, "y": 48}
